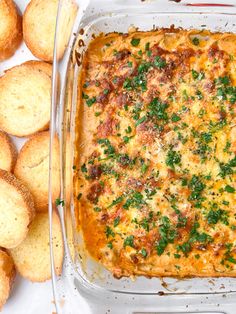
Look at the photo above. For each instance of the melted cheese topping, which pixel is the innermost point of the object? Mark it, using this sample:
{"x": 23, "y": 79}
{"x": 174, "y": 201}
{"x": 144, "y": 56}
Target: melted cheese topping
{"x": 155, "y": 167}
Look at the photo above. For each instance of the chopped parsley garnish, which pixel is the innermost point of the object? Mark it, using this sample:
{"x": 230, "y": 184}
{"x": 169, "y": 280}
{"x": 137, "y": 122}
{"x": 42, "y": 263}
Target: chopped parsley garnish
{"x": 130, "y": 64}
{"x": 217, "y": 215}
{"x": 125, "y": 160}
{"x": 134, "y": 200}
{"x": 159, "y": 62}
{"x": 229, "y": 189}
{"x": 60, "y": 202}
{"x": 195, "y": 236}
{"x": 173, "y": 158}
{"x": 144, "y": 67}
{"x": 206, "y": 137}
{"x": 231, "y": 259}
{"x": 227, "y": 147}
{"x": 227, "y": 168}
{"x": 198, "y": 75}
{"x": 225, "y": 91}
{"x": 79, "y": 196}
{"x": 97, "y": 209}
{"x": 224, "y": 80}
{"x": 129, "y": 241}
{"x": 135, "y": 42}
{"x": 199, "y": 95}
{"x": 109, "y": 232}
{"x": 214, "y": 127}
{"x": 116, "y": 201}
{"x": 110, "y": 245}
{"x": 147, "y": 46}
{"x": 144, "y": 252}
{"x": 185, "y": 95}
{"x": 84, "y": 168}
{"x": 144, "y": 168}
{"x": 136, "y": 83}
{"x": 196, "y": 41}
{"x": 126, "y": 139}
{"x": 157, "y": 109}
{"x": 141, "y": 120}
{"x": 91, "y": 101}
{"x": 116, "y": 221}
{"x": 128, "y": 130}
{"x": 201, "y": 113}
{"x": 109, "y": 149}
{"x": 167, "y": 232}
{"x": 85, "y": 96}
{"x": 196, "y": 186}
{"x": 175, "y": 117}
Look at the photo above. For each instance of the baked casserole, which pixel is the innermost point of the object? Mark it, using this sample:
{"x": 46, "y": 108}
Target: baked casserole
{"x": 155, "y": 153}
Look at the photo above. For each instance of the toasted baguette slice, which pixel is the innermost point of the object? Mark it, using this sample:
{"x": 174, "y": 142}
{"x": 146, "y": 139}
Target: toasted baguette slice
{"x": 8, "y": 152}
{"x": 32, "y": 256}
{"x": 32, "y": 167}
{"x": 7, "y": 275}
{"x": 25, "y": 98}
{"x": 10, "y": 29}
{"x": 39, "y": 23}
{"x": 44, "y": 67}
{"x": 16, "y": 210}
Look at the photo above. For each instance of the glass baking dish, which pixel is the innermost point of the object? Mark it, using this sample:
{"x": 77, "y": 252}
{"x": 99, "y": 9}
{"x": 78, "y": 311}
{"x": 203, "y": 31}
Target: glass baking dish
{"x": 85, "y": 286}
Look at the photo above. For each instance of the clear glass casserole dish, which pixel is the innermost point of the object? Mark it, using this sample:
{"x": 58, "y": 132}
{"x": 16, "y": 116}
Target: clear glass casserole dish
{"x": 85, "y": 286}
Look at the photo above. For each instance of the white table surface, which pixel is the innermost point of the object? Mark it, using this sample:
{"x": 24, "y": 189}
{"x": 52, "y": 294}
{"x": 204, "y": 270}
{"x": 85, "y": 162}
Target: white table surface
{"x": 26, "y": 297}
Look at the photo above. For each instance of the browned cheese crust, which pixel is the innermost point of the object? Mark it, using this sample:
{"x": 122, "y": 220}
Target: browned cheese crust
{"x": 156, "y": 143}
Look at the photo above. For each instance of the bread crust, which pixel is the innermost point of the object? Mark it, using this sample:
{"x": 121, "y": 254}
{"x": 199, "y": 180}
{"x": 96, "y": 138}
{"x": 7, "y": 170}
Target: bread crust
{"x": 14, "y": 229}
{"x": 25, "y": 98}
{"x": 45, "y": 67}
{"x": 10, "y": 29}
{"x": 32, "y": 256}
{"x": 8, "y": 152}
{"x": 7, "y": 276}
{"x": 32, "y": 167}
{"x": 39, "y": 23}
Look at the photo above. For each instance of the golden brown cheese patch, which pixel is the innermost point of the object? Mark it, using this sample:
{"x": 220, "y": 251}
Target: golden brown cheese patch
{"x": 155, "y": 167}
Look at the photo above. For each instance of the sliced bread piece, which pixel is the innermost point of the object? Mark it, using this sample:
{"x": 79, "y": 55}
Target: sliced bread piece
{"x": 16, "y": 210}
{"x": 7, "y": 275}
{"x": 32, "y": 256}
{"x": 10, "y": 29}
{"x": 25, "y": 99}
{"x": 8, "y": 152}
{"x": 32, "y": 167}
{"x": 39, "y": 23}
{"x": 41, "y": 66}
